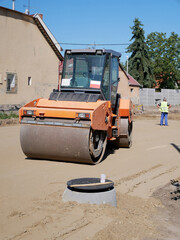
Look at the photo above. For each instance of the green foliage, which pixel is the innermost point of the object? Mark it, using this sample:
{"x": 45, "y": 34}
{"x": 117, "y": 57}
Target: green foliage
{"x": 139, "y": 62}
{"x": 165, "y": 56}
{"x": 8, "y": 116}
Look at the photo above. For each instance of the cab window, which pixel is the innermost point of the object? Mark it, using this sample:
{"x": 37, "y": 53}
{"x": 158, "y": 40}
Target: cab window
{"x": 106, "y": 80}
{"x": 114, "y": 79}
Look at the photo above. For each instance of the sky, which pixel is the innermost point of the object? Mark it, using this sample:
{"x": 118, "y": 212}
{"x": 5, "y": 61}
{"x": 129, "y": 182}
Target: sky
{"x": 102, "y": 21}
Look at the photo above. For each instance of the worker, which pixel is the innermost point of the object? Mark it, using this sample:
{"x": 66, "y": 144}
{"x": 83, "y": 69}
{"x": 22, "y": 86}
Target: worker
{"x": 163, "y": 108}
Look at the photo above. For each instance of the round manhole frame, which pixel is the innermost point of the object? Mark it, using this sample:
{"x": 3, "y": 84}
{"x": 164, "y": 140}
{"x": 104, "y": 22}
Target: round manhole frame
{"x": 96, "y": 185}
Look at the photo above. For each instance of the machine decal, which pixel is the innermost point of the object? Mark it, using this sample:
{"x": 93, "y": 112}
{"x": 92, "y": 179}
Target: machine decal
{"x": 66, "y": 82}
{"x": 95, "y": 84}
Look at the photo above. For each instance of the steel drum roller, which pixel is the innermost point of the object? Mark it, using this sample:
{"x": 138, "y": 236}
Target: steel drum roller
{"x": 57, "y": 143}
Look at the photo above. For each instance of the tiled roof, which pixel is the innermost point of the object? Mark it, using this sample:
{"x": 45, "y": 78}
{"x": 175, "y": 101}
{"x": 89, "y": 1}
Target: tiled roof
{"x": 132, "y": 81}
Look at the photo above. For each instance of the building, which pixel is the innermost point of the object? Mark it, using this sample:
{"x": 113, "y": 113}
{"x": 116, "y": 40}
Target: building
{"x": 29, "y": 59}
{"x": 123, "y": 86}
{"x": 134, "y": 89}
{"x": 128, "y": 87}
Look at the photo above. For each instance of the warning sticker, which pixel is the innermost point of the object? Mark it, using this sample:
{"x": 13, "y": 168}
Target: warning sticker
{"x": 95, "y": 84}
{"x": 66, "y": 82}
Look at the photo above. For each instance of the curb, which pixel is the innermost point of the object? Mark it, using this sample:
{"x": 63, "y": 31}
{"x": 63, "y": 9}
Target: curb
{"x": 6, "y": 122}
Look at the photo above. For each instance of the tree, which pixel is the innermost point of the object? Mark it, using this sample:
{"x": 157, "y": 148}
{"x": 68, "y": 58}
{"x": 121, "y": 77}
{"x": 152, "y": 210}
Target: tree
{"x": 139, "y": 62}
{"x": 165, "y": 56}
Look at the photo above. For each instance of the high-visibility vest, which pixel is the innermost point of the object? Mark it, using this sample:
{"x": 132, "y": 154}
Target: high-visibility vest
{"x": 164, "y": 107}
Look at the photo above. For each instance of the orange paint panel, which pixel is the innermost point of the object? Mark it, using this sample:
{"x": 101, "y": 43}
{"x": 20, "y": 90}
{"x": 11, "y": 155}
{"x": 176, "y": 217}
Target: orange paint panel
{"x": 124, "y": 104}
{"x": 68, "y": 109}
{"x": 100, "y": 117}
{"x": 55, "y": 113}
{"x": 125, "y": 109}
{"x": 32, "y": 103}
{"x": 68, "y": 104}
{"x": 124, "y": 112}
{"x": 100, "y": 112}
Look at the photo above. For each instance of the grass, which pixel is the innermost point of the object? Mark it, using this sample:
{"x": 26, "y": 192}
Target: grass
{"x": 8, "y": 116}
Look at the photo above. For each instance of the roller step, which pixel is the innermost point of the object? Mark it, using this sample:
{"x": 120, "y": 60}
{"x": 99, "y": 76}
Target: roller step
{"x": 112, "y": 139}
{"x": 114, "y": 131}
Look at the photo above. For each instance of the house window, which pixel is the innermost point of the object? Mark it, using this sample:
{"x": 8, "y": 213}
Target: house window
{"x": 11, "y": 83}
{"x": 132, "y": 89}
{"x": 29, "y": 81}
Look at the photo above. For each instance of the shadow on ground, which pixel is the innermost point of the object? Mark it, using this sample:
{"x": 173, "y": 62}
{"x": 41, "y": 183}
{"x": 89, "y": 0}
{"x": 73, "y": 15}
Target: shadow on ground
{"x": 176, "y": 147}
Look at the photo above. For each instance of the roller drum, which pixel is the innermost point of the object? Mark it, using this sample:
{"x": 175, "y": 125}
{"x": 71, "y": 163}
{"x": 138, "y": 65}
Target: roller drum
{"x": 57, "y": 143}
{"x": 125, "y": 138}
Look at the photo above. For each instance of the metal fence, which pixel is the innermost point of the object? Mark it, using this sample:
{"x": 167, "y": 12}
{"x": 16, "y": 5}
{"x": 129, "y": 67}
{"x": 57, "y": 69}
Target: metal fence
{"x": 149, "y": 96}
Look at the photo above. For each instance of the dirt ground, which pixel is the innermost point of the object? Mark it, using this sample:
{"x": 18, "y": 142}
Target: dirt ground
{"x": 31, "y": 205}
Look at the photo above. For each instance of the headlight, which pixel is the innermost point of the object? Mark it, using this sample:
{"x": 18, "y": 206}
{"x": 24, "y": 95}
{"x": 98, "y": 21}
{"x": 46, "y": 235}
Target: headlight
{"x": 28, "y": 112}
{"x": 83, "y": 115}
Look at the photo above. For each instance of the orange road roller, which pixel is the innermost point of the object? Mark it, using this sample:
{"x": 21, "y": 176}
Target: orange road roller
{"x": 77, "y": 120}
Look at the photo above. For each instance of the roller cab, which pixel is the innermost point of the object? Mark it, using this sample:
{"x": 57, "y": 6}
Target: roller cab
{"x": 76, "y": 122}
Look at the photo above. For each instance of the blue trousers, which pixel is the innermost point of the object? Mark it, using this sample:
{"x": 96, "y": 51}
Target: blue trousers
{"x": 164, "y": 115}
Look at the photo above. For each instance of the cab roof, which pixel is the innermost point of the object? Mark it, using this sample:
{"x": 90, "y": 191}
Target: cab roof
{"x": 94, "y": 51}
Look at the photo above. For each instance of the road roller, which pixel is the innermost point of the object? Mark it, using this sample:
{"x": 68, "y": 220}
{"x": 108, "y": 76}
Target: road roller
{"x": 78, "y": 119}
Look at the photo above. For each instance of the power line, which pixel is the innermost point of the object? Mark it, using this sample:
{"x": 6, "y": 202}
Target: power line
{"x": 94, "y": 44}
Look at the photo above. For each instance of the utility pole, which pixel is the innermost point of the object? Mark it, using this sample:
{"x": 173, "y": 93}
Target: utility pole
{"x": 27, "y": 11}
{"x": 13, "y": 4}
{"x": 127, "y": 64}
{"x": 28, "y": 7}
